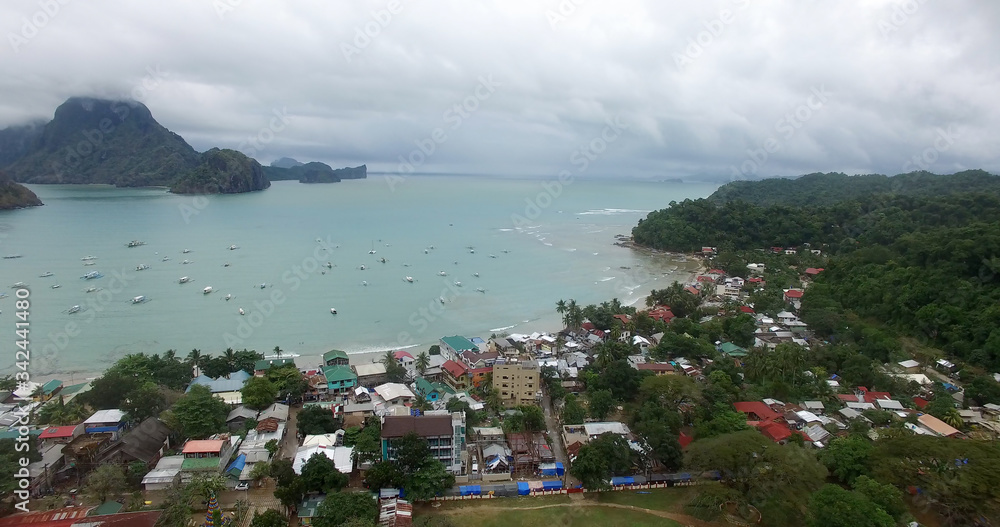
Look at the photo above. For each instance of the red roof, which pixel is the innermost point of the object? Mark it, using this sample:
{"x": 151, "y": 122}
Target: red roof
{"x": 755, "y": 280}
{"x": 692, "y": 290}
{"x": 455, "y": 369}
{"x": 814, "y": 271}
{"x": 793, "y": 293}
{"x": 716, "y": 271}
{"x": 777, "y": 249}
{"x": 704, "y": 278}
{"x": 684, "y": 440}
{"x": 57, "y": 431}
{"x": 920, "y": 402}
{"x": 400, "y": 354}
{"x": 622, "y": 318}
{"x": 203, "y": 446}
{"x": 662, "y": 313}
{"x": 746, "y": 309}
{"x": 757, "y": 408}
{"x": 52, "y": 518}
{"x": 654, "y": 367}
{"x": 588, "y": 326}
{"x": 776, "y": 431}
{"x": 865, "y": 397}
{"x": 599, "y": 333}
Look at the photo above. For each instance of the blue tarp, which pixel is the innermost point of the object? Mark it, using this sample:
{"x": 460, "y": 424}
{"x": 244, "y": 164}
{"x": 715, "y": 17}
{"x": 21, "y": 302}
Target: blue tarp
{"x": 523, "y": 489}
{"x": 470, "y": 490}
{"x": 560, "y": 470}
{"x": 551, "y": 485}
{"x": 625, "y": 480}
{"x": 548, "y": 469}
{"x": 236, "y": 467}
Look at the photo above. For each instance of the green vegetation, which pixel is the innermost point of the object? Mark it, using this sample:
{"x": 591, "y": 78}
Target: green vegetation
{"x": 222, "y": 171}
{"x": 589, "y": 516}
{"x": 15, "y": 196}
{"x": 314, "y": 172}
{"x": 316, "y": 420}
{"x": 414, "y": 468}
{"x": 198, "y": 414}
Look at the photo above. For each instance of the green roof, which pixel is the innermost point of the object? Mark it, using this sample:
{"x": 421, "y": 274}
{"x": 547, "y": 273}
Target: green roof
{"x": 459, "y": 344}
{"x": 108, "y": 507}
{"x": 334, "y": 354}
{"x": 13, "y": 434}
{"x": 51, "y": 386}
{"x": 68, "y": 390}
{"x": 732, "y": 349}
{"x": 265, "y": 364}
{"x": 308, "y": 507}
{"x": 424, "y": 386}
{"x": 339, "y": 373}
{"x": 200, "y": 463}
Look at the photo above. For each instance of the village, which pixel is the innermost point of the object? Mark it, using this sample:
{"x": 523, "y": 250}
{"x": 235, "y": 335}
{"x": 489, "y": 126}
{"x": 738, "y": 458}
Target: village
{"x": 492, "y": 410}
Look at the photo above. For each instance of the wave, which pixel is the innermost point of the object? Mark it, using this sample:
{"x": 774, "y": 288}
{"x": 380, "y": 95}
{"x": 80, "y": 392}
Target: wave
{"x": 570, "y": 249}
{"x": 379, "y": 349}
{"x": 505, "y": 328}
{"x": 547, "y": 243}
{"x": 610, "y": 212}
{"x": 606, "y": 278}
{"x": 505, "y": 230}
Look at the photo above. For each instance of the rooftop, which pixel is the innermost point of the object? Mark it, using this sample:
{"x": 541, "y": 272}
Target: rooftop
{"x": 203, "y": 446}
{"x": 53, "y": 432}
{"x": 365, "y": 370}
{"x": 424, "y": 426}
{"x": 393, "y": 390}
{"x": 459, "y": 344}
{"x": 265, "y": 364}
{"x": 454, "y": 368}
{"x": 106, "y": 416}
{"x": 338, "y": 373}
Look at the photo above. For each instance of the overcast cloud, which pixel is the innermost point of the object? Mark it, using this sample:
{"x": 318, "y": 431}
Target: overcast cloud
{"x": 706, "y": 89}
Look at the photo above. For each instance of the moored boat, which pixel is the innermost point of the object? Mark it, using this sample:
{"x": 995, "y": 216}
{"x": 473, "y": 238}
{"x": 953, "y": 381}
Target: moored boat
{"x": 92, "y": 275}
{"x": 74, "y": 309}
{"x": 139, "y": 299}
{"x": 46, "y": 274}
{"x": 183, "y": 280}
{"x": 207, "y": 290}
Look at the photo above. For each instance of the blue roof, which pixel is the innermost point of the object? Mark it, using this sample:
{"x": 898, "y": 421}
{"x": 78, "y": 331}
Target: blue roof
{"x": 234, "y": 383}
{"x": 237, "y": 466}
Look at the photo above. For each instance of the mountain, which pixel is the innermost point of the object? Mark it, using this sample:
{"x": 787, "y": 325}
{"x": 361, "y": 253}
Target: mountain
{"x": 315, "y": 172}
{"x": 16, "y": 140}
{"x": 285, "y": 162}
{"x": 15, "y": 196}
{"x": 120, "y": 143}
{"x": 102, "y": 141}
{"x": 222, "y": 172}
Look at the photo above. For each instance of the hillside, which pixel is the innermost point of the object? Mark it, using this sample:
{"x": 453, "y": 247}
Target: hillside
{"x": 102, "y": 141}
{"x": 222, "y": 172}
{"x": 314, "y": 172}
{"x": 15, "y": 196}
{"x": 15, "y": 141}
{"x": 834, "y": 187}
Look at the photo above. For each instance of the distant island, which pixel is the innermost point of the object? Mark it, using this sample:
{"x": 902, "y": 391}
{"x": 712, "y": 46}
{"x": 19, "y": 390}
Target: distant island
{"x": 119, "y": 143}
{"x": 287, "y": 168}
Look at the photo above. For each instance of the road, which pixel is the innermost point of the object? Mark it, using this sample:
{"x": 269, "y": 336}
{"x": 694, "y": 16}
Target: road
{"x": 555, "y": 434}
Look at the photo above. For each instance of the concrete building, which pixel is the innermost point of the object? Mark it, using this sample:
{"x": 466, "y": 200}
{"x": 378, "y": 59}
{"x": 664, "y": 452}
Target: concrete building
{"x": 444, "y": 432}
{"x": 518, "y": 383}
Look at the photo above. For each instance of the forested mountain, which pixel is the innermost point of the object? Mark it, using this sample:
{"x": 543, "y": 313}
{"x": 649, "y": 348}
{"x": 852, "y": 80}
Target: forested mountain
{"x": 834, "y": 187}
{"x": 15, "y": 196}
{"x": 314, "y": 172}
{"x": 16, "y": 140}
{"x": 222, "y": 172}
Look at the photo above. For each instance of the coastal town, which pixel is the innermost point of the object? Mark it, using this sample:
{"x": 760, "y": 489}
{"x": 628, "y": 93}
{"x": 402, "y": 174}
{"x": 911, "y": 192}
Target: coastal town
{"x": 493, "y": 416}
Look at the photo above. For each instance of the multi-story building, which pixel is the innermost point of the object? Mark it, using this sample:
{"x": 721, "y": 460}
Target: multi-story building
{"x": 443, "y": 431}
{"x": 453, "y": 347}
{"x": 518, "y": 383}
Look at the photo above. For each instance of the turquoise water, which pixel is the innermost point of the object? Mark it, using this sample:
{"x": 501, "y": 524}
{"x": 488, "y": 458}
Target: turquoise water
{"x": 546, "y": 245}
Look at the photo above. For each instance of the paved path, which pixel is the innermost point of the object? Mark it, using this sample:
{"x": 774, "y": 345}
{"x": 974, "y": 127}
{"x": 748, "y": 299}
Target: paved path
{"x": 555, "y": 433}
{"x": 683, "y": 519}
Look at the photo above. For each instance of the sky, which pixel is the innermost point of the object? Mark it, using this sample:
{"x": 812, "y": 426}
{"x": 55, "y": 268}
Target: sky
{"x": 716, "y": 90}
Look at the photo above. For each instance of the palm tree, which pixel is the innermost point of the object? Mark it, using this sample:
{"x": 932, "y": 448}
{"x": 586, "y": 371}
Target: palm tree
{"x": 389, "y": 358}
{"x": 195, "y": 358}
{"x": 231, "y": 359}
{"x": 561, "y": 307}
{"x": 423, "y": 362}
{"x": 277, "y": 351}
{"x": 953, "y": 418}
{"x": 170, "y": 355}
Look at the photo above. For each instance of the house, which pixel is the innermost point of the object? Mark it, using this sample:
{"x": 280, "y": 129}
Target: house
{"x": 790, "y": 251}
{"x": 370, "y": 375}
{"x": 456, "y": 375}
{"x": 658, "y": 368}
{"x": 81, "y": 517}
{"x": 340, "y": 378}
{"x": 793, "y": 297}
{"x": 946, "y": 365}
{"x": 709, "y": 251}
{"x": 662, "y": 313}
{"x": 786, "y": 318}
{"x": 477, "y": 359}
{"x": 937, "y": 426}
{"x": 356, "y": 410}
{"x": 42, "y": 473}
{"x": 517, "y": 383}
{"x": 276, "y": 411}
{"x": 238, "y": 417}
{"x": 403, "y": 358}
{"x": 480, "y": 375}
{"x": 756, "y": 283}
{"x": 49, "y": 389}
{"x": 226, "y": 387}
{"x": 204, "y": 456}
{"x": 728, "y": 348}
{"x": 909, "y": 366}
{"x": 452, "y": 347}
{"x": 755, "y": 268}
{"x": 889, "y": 405}
{"x": 106, "y": 421}
{"x": 260, "y": 367}
{"x": 756, "y": 411}
{"x": 146, "y": 443}
{"x": 340, "y": 455}
{"x": 748, "y": 310}
{"x": 59, "y": 434}
{"x": 815, "y": 407}
{"x": 336, "y": 358}
{"x": 308, "y": 509}
{"x": 164, "y": 475}
{"x": 444, "y": 432}
{"x": 431, "y": 391}
{"x": 863, "y": 395}
{"x": 503, "y": 347}
{"x": 395, "y": 393}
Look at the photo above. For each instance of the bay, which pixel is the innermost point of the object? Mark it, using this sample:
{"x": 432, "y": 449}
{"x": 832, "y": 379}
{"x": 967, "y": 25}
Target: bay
{"x": 530, "y": 244}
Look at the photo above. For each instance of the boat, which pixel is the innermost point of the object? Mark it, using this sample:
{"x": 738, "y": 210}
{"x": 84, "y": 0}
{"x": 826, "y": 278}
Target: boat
{"x": 183, "y": 280}
{"x": 74, "y": 309}
{"x": 11, "y": 256}
{"x": 92, "y": 289}
{"x": 431, "y": 247}
{"x": 472, "y": 251}
{"x": 55, "y": 286}
{"x": 441, "y": 298}
{"x": 207, "y": 290}
{"x": 139, "y": 299}
{"x": 229, "y": 296}
{"x": 3, "y": 295}
{"x": 480, "y": 289}
{"x": 225, "y": 264}
{"x": 408, "y": 279}
{"x": 185, "y": 262}
{"x": 318, "y": 240}
{"x": 505, "y": 251}
{"x": 141, "y": 267}
{"x": 382, "y": 260}
{"x": 262, "y": 286}
{"x": 135, "y": 243}
{"x": 88, "y": 257}
{"x": 493, "y": 256}
{"x": 426, "y": 251}
{"x": 333, "y": 310}
{"x": 165, "y": 258}
{"x": 18, "y": 284}
{"x": 242, "y": 312}
{"x": 373, "y": 248}
{"x": 329, "y": 265}
{"x": 46, "y": 274}
{"x": 364, "y": 282}
{"x": 362, "y": 267}
{"x": 442, "y": 273}
{"x": 458, "y": 284}
{"x": 92, "y": 275}
{"x": 89, "y": 263}
{"x": 233, "y": 247}
{"x": 476, "y": 275}
{"x": 185, "y": 251}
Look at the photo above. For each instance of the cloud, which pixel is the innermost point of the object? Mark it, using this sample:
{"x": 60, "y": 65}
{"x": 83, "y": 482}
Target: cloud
{"x": 703, "y": 86}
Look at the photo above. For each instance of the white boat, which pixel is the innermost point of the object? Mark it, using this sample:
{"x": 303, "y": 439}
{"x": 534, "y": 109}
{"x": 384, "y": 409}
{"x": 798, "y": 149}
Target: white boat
{"x": 458, "y": 284}
{"x": 329, "y": 265}
{"x": 333, "y": 310}
{"x": 183, "y": 280}
{"x": 441, "y": 298}
{"x": 185, "y": 262}
{"x": 493, "y": 256}
{"x": 89, "y": 263}
{"x": 480, "y": 289}
{"x": 135, "y": 243}
{"x": 92, "y": 289}
{"x": 364, "y": 282}
{"x": 11, "y": 256}
{"x": 56, "y": 286}
{"x": 472, "y": 251}
{"x": 442, "y": 273}
{"x": 362, "y": 268}
{"x": 262, "y": 286}
{"x": 141, "y": 267}
{"x": 139, "y": 299}
{"x": 242, "y": 312}
{"x": 3, "y": 295}
{"x": 426, "y": 251}
{"x": 476, "y": 275}
{"x": 185, "y": 251}
{"x": 373, "y": 249}
{"x": 74, "y": 309}
{"x": 408, "y": 279}
{"x": 165, "y": 258}
{"x": 207, "y": 290}
{"x": 46, "y": 274}
{"x": 229, "y": 297}
{"x": 225, "y": 264}
{"x": 87, "y": 258}
{"x": 92, "y": 275}
{"x": 18, "y": 284}
{"x": 382, "y": 260}
{"x": 233, "y": 247}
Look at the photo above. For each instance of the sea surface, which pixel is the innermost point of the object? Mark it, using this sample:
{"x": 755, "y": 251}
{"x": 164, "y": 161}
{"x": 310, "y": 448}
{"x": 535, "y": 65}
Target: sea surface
{"x": 531, "y": 243}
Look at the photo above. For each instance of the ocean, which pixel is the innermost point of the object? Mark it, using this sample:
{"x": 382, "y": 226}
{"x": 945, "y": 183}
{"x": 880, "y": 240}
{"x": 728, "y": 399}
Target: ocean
{"x": 486, "y": 255}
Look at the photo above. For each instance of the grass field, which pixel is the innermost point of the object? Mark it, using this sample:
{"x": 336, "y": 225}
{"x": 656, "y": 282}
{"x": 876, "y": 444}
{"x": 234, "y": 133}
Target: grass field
{"x": 556, "y": 516}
